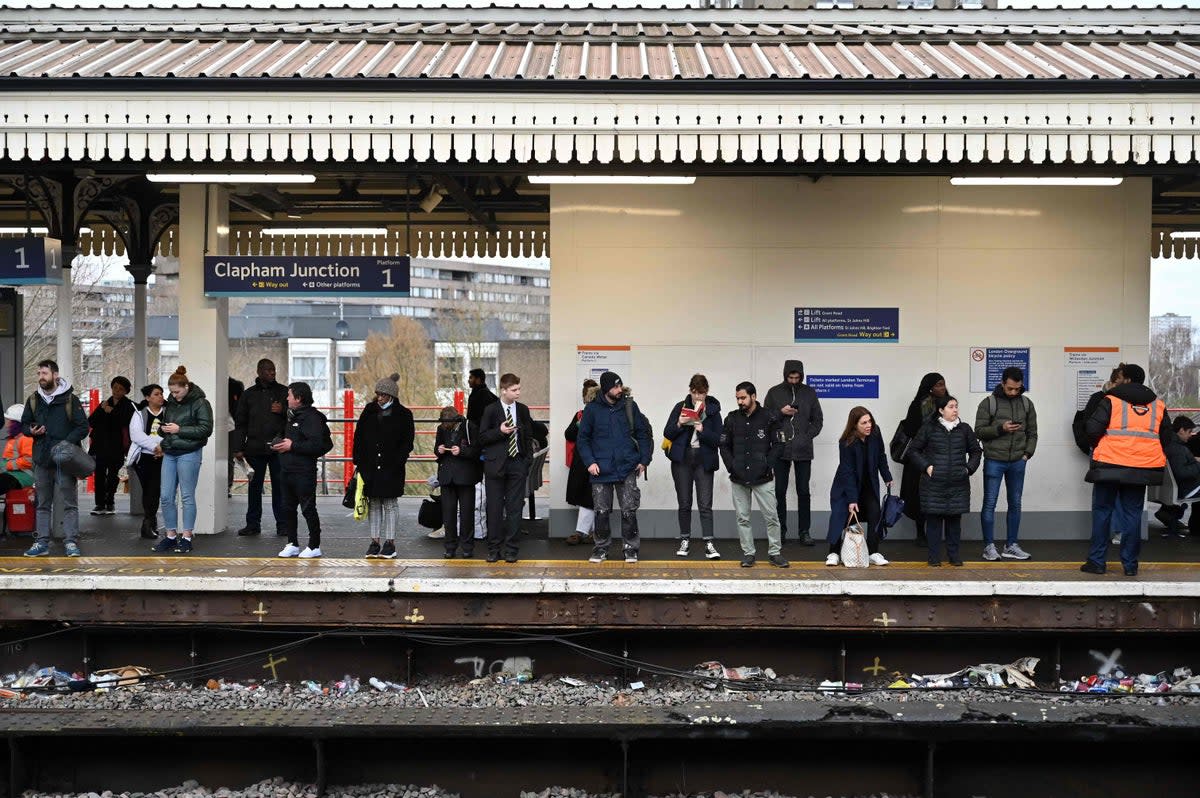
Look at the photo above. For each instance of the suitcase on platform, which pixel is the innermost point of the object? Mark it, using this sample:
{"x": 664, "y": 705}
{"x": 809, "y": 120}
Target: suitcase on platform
{"x": 20, "y": 510}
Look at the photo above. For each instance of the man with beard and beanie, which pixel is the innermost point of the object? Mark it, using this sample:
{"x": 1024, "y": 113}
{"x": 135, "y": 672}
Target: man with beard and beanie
{"x": 616, "y": 446}
{"x": 383, "y": 440}
{"x": 480, "y": 396}
{"x": 259, "y": 419}
{"x": 110, "y": 442}
{"x": 52, "y": 414}
{"x": 306, "y": 439}
{"x": 800, "y": 420}
{"x": 1129, "y": 431}
{"x": 750, "y": 448}
{"x": 506, "y": 436}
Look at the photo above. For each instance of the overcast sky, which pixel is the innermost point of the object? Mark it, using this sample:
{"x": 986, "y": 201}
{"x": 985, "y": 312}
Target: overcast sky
{"x": 57, "y": 4}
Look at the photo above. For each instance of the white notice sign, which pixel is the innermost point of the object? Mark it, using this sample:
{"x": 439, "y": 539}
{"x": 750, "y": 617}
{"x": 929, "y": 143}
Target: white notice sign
{"x": 1088, "y": 368}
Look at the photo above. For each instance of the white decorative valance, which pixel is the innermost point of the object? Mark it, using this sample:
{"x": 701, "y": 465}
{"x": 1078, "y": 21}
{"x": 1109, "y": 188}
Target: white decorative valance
{"x": 567, "y": 130}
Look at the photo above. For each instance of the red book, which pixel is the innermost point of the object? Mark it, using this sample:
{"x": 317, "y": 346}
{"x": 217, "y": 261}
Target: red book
{"x": 691, "y": 415}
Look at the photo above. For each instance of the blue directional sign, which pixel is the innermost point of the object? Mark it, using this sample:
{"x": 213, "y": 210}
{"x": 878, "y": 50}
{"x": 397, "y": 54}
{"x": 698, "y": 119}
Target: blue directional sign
{"x": 844, "y": 386}
{"x": 32, "y": 260}
{"x": 278, "y": 275}
{"x": 847, "y": 325}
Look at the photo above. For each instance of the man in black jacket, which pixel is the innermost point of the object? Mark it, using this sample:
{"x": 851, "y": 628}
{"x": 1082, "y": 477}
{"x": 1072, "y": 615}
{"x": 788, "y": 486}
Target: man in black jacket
{"x": 110, "y": 442}
{"x": 259, "y": 418}
{"x": 480, "y": 396}
{"x": 798, "y": 411}
{"x": 506, "y": 435}
{"x": 306, "y": 440}
{"x": 750, "y": 447}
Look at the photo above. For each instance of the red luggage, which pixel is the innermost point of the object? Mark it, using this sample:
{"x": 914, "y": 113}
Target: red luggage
{"x": 20, "y": 509}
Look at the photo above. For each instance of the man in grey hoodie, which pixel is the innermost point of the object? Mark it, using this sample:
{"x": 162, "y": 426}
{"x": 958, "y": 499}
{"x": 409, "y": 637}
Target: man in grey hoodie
{"x": 801, "y": 420}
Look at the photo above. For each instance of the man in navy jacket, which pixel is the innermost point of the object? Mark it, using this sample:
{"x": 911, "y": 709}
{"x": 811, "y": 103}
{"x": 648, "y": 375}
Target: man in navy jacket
{"x": 615, "y": 444}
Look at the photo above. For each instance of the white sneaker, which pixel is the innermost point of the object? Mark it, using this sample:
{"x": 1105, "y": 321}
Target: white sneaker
{"x": 309, "y": 554}
{"x": 1116, "y": 540}
{"x": 437, "y": 534}
{"x": 877, "y": 559}
{"x": 289, "y": 551}
{"x": 990, "y": 554}
{"x": 1014, "y": 552}
{"x": 710, "y": 551}
{"x": 597, "y": 556}
{"x": 682, "y": 551}
{"x": 833, "y": 559}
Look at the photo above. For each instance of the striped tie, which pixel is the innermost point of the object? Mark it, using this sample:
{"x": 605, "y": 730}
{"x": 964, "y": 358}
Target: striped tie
{"x": 512, "y": 436}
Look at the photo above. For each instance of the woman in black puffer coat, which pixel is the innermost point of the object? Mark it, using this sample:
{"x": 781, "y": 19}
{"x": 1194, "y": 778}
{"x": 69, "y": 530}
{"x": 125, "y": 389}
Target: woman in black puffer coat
{"x": 948, "y": 453}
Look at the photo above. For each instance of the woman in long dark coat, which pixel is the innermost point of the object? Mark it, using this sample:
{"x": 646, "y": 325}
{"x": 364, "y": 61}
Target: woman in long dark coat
{"x": 947, "y": 453}
{"x": 459, "y": 471}
{"x": 920, "y": 410}
{"x": 383, "y": 440}
{"x": 579, "y": 484}
{"x": 862, "y": 461}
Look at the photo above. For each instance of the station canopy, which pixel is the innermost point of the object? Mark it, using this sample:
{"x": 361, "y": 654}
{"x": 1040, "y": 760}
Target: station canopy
{"x": 429, "y": 121}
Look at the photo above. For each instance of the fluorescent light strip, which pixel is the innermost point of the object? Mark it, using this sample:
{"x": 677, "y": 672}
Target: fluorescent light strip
{"x": 1035, "y": 181}
{"x": 229, "y": 178}
{"x": 1183, "y": 235}
{"x": 324, "y": 231}
{"x": 34, "y": 231}
{"x": 595, "y": 180}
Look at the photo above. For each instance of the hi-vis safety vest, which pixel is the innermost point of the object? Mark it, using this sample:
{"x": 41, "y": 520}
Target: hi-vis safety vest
{"x": 1132, "y": 437}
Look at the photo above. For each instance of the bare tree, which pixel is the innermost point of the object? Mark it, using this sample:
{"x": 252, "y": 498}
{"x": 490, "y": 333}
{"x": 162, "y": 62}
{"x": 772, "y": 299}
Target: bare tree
{"x": 1173, "y": 367}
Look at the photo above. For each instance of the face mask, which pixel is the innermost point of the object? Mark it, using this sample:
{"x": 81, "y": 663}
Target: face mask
{"x": 386, "y": 406}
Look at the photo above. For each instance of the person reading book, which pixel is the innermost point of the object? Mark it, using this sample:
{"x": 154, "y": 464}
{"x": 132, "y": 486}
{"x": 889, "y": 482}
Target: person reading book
{"x": 694, "y": 431}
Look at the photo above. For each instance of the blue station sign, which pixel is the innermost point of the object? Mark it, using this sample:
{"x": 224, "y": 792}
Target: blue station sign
{"x": 844, "y": 386}
{"x": 32, "y": 260}
{"x": 278, "y": 275}
{"x": 847, "y": 325}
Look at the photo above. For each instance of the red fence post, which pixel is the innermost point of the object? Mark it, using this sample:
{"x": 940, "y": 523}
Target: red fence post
{"x": 459, "y": 402}
{"x": 348, "y": 433}
{"x": 93, "y": 403}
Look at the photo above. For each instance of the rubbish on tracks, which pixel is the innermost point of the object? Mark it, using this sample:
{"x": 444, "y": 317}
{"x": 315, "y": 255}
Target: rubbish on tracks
{"x": 988, "y": 674}
{"x": 715, "y": 670}
{"x": 573, "y": 682}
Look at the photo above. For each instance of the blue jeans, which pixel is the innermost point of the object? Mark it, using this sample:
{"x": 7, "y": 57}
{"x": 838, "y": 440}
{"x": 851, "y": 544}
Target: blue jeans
{"x": 1013, "y": 475}
{"x": 180, "y": 472}
{"x": 262, "y": 464}
{"x": 1117, "y": 508}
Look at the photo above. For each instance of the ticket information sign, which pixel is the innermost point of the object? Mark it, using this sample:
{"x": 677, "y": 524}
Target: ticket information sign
{"x": 844, "y": 386}
{"x": 278, "y": 275}
{"x": 31, "y": 260}
{"x": 847, "y": 325}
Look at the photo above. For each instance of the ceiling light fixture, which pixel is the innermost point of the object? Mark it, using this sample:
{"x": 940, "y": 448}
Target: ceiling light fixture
{"x": 432, "y": 199}
{"x": 324, "y": 231}
{"x": 33, "y": 231}
{"x": 1184, "y": 234}
{"x": 1035, "y": 181}
{"x": 596, "y": 180}
{"x": 229, "y": 178}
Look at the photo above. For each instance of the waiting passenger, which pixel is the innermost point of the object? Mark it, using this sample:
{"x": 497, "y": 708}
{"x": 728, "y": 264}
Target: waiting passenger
{"x": 616, "y": 446}
{"x": 1180, "y": 471}
{"x": 481, "y": 396}
{"x": 947, "y": 453}
{"x": 187, "y": 424}
{"x": 750, "y": 448}
{"x": 920, "y": 410}
{"x": 145, "y": 456}
{"x": 18, "y": 453}
{"x": 506, "y": 435}
{"x": 306, "y": 440}
{"x": 459, "y": 471}
{"x": 1129, "y": 431}
{"x": 110, "y": 442}
{"x": 579, "y": 482}
{"x": 259, "y": 419}
{"x": 694, "y": 430}
{"x": 800, "y": 421}
{"x": 52, "y": 414}
{"x": 862, "y": 461}
{"x": 383, "y": 440}
{"x": 1006, "y": 424}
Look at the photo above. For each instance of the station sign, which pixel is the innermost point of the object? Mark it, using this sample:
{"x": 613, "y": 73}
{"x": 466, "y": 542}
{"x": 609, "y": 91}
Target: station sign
{"x": 844, "y": 386}
{"x": 847, "y": 325}
{"x": 286, "y": 276}
{"x": 31, "y": 260}
{"x": 989, "y": 362}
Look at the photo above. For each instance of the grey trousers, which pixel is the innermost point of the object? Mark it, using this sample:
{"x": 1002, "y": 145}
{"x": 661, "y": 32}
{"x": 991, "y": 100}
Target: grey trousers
{"x": 630, "y": 497}
{"x": 51, "y": 482}
{"x": 764, "y": 496}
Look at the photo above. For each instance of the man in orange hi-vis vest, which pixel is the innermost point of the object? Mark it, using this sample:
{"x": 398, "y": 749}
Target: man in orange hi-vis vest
{"x": 1129, "y": 431}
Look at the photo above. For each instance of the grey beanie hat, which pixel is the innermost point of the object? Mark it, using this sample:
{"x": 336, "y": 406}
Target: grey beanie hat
{"x": 388, "y": 385}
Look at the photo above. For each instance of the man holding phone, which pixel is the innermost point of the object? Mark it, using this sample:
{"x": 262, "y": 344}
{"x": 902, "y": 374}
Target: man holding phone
{"x": 1006, "y": 425}
{"x": 259, "y": 419}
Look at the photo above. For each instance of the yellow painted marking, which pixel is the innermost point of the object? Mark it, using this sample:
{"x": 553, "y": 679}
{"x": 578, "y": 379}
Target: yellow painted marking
{"x": 885, "y": 620}
{"x": 415, "y": 616}
{"x": 874, "y": 669}
{"x": 260, "y": 612}
{"x": 272, "y": 663}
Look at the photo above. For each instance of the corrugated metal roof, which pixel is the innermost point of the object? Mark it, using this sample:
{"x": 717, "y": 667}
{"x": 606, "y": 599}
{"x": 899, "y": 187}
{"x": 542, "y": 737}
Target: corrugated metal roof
{"x": 242, "y": 42}
{"x": 660, "y": 55}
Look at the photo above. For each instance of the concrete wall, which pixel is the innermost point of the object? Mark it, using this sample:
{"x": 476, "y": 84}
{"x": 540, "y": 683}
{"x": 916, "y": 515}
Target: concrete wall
{"x": 706, "y": 278}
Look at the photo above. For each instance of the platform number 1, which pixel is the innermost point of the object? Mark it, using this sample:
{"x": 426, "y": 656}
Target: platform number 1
{"x": 21, "y": 264}
{"x": 387, "y": 279}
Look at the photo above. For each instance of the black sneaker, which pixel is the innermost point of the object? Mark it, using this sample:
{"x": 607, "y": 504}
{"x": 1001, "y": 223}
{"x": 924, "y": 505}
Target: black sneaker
{"x": 747, "y": 560}
{"x": 373, "y": 550}
{"x": 493, "y": 557}
{"x": 806, "y": 539}
{"x": 778, "y": 561}
{"x": 165, "y": 545}
{"x": 247, "y": 531}
{"x": 388, "y": 552}
{"x": 1131, "y": 570}
{"x": 1090, "y": 567}
{"x": 468, "y": 554}
{"x": 97, "y": 511}
{"x": 447, "y": 555}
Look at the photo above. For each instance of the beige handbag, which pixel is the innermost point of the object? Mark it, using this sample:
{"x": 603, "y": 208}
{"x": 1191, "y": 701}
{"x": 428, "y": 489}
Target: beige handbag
{"x": 854, "y": 544}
